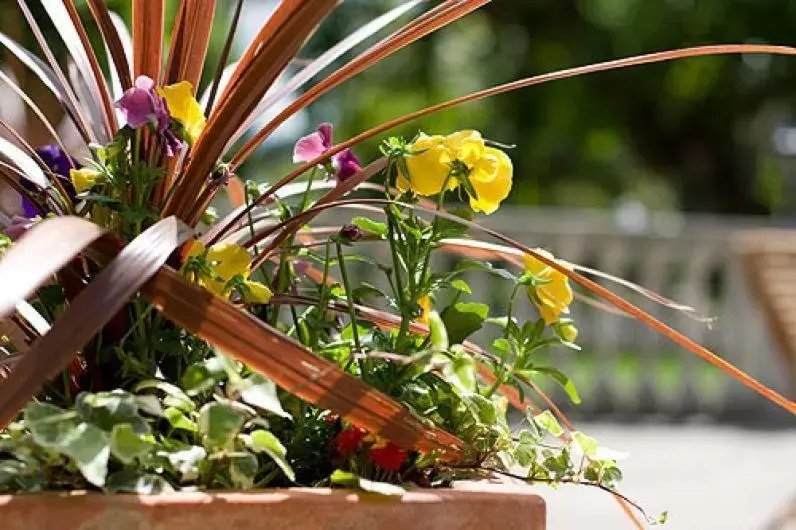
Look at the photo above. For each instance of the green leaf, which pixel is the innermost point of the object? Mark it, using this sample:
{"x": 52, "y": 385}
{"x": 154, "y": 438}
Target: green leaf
{"x": 369, "y": 225}
{"x": 186, "y": 462}
{"x": 127, "y": 445}
{"x": 197, "y": 379}
{"x": 473, "y": 265}
{"x": 243, "y": 468}
{"x": 175, "y": 397}
{"x": 437, "y": 332}
{"x": 586, "y": 443}
{"x": 463, "y": 319}
{"x": 179, "y": 420}
{"x": 106, "y": 409}
{"x": 262, "y": 441}
{"x": 219, "y": 424}
{"x": 546, "y": 421}
{"x": 132, "y": 481}
{"x": 259, "y": 391}
{"x": 48, "y": 424}
{"x": 364, "y": 290}
{"x": 350, "y": 480}
{"x": 462, "y": 286}
{"x": 89, "y": 447}
{"x": 566, "y": 383}
{"x": 484, "y": 408}
{"x": 149, "y": 404}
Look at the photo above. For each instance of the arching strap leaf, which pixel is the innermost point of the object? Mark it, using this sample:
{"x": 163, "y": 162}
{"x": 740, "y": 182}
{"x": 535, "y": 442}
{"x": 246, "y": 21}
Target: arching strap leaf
{"x": 90, "y": 310}
{"x": 291, "y": 366}
{"x": 189, "y": 42}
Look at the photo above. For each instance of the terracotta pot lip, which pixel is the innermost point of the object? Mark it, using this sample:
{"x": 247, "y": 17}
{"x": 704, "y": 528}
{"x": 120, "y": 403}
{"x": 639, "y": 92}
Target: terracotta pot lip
{"x": 282, "y": 495}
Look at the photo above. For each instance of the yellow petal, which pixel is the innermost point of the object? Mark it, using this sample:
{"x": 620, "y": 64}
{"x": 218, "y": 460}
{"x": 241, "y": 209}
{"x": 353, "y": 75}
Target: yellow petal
{"x": 466, "y": 146}
{"x": 197, "y": 249}
{"x": 258, "y": 293}
{"x": 228, "y": 260}
{"x": 429, "y": 169}
{"x": 84, "y": 179}
{"x": 425, "y": 305}
{"x": 552, "y": 299}
{"x": 184, "y": 107}
{"x": 491, "y": 177}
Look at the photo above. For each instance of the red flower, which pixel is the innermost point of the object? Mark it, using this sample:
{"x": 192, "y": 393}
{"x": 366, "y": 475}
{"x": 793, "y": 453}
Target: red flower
{"x": 349, "y": 440}
{"x": 388, "y": 456}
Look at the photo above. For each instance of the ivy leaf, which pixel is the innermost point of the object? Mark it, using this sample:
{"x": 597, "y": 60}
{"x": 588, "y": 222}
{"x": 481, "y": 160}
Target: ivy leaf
{"x": 350, "y": 480}
{"x": 219, "y": 424}
{"x": 178, "y": 420}
{"x": 149, "y": 404}
{"x": 132, "y": 481}
{"x": 546, "y": 421}
{"x": 586, "y": 443}
{"x": 242, "y": 469}
{"x": 197, "y": 379}
{"x": 175, "y": 397}
{"x": 262, "y": 441}
{"x": 369, "y": 225}
{"x": 462, "y": 319}
{"x": 186, "y": 462}
{"x": 259, "y": 391}
{"x": 48, "y": 424}
{"x": 127, "y": 445}
{"x": 89, "y": 447}
{"x": 106, "y": 409}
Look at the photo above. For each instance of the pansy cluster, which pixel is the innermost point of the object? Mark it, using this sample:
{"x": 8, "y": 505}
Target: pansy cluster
{"x": 443, "y": 163}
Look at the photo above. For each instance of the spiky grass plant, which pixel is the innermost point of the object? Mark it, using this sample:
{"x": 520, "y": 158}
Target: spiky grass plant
{"x": 149, "y": 347}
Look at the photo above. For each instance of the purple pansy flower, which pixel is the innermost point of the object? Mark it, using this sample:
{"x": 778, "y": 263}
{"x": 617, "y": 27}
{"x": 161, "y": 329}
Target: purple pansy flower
{"x": 142, "y": 105}
{"x": 310, "y": 147}
{"x": 59, "y": 163}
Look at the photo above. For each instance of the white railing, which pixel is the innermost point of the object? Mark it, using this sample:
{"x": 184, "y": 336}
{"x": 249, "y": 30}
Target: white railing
{"x": 626, "y": 368}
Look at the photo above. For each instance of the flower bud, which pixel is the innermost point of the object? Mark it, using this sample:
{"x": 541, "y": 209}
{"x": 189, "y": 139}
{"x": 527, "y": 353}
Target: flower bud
{"x": 566, "y": 329}
{"x": 351, "y": 233}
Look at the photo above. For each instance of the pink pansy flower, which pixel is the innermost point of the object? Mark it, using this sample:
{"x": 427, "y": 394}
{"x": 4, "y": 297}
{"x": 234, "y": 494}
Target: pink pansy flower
{"x": 310, "y": 147}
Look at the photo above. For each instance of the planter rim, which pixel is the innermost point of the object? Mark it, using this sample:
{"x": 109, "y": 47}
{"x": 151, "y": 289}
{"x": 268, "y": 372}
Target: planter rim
{"x": 470, "y": 493}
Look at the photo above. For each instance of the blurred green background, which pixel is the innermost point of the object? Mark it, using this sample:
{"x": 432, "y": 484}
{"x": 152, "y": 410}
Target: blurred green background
{"x": 706, "y": 135}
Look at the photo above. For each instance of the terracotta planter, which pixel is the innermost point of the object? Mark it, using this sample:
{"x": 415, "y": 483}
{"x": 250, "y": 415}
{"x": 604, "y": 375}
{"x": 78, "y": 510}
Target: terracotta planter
{"x": 295, "y": 509}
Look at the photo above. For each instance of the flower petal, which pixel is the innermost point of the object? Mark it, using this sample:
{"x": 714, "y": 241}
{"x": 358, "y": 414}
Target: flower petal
{"x": 308, "y": 148}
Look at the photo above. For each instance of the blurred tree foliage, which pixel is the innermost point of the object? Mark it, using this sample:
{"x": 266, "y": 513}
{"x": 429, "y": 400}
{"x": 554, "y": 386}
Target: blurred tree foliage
{"x": 693, "y": 135}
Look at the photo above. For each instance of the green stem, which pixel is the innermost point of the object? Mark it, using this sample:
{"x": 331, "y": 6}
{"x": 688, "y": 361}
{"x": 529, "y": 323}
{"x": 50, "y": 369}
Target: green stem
{"x": 349, "y": 296}
{"x": 402, "y": 331}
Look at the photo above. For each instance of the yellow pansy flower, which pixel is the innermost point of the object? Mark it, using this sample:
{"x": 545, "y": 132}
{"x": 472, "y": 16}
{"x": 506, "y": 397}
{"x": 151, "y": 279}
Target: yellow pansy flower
{"x": 425, "y": 305}
{"x": 258, "y": 293}
{"x": 227, "y": 260}
{"x": 84, "y": 179}
{"x": 491, "y": 178}
{"x": 552, "y": 298}
{"x": 466, "y": 146}
{"x": 429, "y": 169}
{"x": 184, "y": 107}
